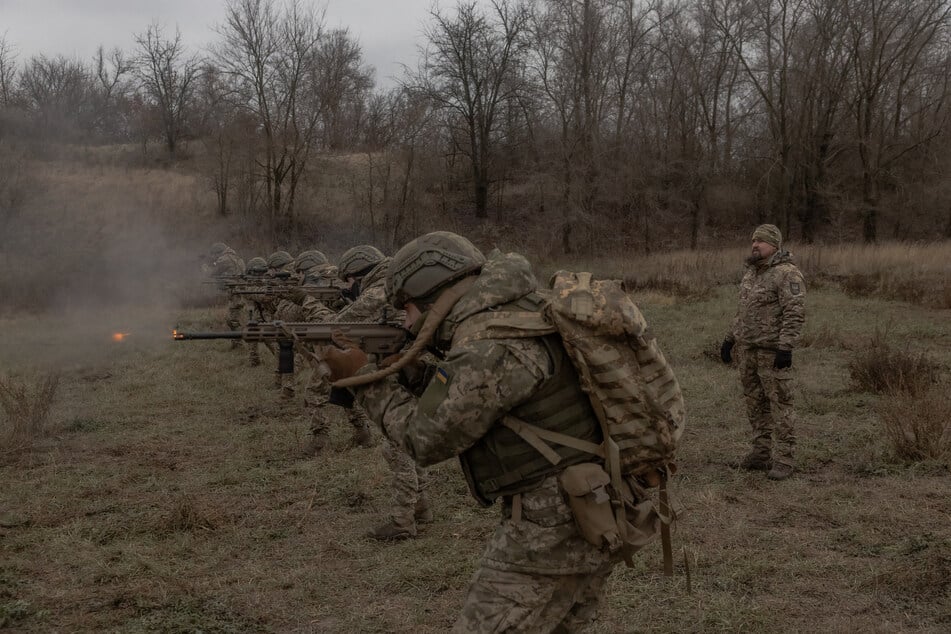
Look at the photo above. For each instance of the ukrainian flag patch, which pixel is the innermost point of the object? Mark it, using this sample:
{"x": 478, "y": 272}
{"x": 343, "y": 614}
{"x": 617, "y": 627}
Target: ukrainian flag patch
{"x": 442, "y": 376}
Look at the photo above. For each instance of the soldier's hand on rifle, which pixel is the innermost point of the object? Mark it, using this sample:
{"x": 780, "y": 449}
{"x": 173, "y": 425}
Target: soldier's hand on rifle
{"x": 345, "y": 359}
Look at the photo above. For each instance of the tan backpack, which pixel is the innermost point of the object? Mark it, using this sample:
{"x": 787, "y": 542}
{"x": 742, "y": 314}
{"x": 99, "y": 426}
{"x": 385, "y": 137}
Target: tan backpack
{"x": 634, "y": 394}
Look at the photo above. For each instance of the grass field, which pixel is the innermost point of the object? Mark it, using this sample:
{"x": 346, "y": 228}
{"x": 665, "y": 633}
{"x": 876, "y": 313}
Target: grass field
{"x": 166, "y": 494}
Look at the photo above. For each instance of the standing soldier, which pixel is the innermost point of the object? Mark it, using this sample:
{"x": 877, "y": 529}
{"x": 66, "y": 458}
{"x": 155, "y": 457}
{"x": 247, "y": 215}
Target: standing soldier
{"x": 538, "y": 573}
{"x": 766, "y": 329}
{"x": 223, "y": 263}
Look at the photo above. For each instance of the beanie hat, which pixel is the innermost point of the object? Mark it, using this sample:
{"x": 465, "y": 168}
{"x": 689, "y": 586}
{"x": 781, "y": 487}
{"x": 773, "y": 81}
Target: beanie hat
{"x": 770, "y": 234}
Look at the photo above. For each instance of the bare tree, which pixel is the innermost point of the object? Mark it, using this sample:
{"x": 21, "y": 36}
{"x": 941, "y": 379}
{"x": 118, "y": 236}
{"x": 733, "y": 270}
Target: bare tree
{"x": 270, "y": 56}
{"x": 895, "y": 107}
{"x": 57, "y": 92}
{"x": 8, "y": 71}
{"x": 471, "y": 69}
{"x": 167, "y": 77}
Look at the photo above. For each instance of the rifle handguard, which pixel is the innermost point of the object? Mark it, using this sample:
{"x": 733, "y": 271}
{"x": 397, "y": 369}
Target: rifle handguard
{"x": 434, "y": 318}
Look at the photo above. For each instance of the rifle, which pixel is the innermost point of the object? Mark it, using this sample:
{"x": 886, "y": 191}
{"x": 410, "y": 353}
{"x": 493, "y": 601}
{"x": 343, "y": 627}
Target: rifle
{"x": 384, "y": 339}
{"x": 321, "y": 293}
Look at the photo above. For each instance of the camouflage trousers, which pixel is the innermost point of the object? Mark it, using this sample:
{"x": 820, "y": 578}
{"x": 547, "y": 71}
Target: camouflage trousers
{"x": 537, "y": 574}
{"x": 504, "y": 601}
{"x": 235, "y": 310}
{"x": 317, "y": 401}
{"x": 769, "y": 405}
{"x": 408, "y": 483}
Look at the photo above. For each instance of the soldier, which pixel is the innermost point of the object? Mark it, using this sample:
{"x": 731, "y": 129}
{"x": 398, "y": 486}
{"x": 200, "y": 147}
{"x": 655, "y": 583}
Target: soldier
{"x": 363, "y": 270}
{"x": 224, "y": 262}
{"x": 257, "y": 267}
{"x": 538, "y": 573}
{"x": 279, "y": 264}
{"x": 766, "y": 329}
{"x": 355, "y": 265}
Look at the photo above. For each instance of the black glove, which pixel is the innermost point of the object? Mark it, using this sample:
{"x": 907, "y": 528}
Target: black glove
{"x": 726, "y": 351}
{"x": 783, "y": 359}
{"x": 341, "y": 396}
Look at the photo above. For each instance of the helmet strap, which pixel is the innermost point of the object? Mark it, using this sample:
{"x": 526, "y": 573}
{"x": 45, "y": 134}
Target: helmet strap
{"x": 434, "y": 318}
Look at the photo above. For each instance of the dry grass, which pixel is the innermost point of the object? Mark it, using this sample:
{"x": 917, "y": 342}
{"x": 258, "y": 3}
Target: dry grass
{"x": 881, "y": 367}
{"x": 26, "y": 405}
{"x": 919, "y": 425}
{"x": 171, "y": 498}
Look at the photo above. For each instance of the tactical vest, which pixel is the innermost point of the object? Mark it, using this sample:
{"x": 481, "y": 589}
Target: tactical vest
{"x": 502, "y": 462}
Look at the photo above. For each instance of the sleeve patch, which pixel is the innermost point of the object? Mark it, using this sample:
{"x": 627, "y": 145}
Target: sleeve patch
{"x": 795, "y": 288}
{"x": 442, "y": 376}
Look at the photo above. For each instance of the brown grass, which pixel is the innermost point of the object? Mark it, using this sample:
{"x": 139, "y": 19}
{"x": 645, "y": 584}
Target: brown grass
{"x": 26, "y": 405}
{"x": 171, "y": 497}
{"x": 882, "y": 367}
{"x": 919, "y": 425}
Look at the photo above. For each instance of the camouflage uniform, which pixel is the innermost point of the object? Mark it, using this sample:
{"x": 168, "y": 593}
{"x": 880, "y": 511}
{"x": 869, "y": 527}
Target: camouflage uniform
{"x": 367, "y": 307}
{"x": 278, "y": 309}
{"x": 538, "y": 574}
{"x": 770, "y": 318}
{"x": 256, "y": 267}
{"x": 408, "y": 481}
{"x": 226, "y": 263}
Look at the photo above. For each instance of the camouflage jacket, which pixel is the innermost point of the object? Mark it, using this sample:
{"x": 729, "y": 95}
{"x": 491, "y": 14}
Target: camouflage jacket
{"x": 771, "y": 311}
{"x": 371, "y": 304}
{"x": 477, "y": 383}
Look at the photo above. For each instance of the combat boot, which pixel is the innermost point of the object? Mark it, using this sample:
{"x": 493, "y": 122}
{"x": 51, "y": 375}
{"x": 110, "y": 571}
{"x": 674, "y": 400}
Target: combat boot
{"x": 781, "y": 471}
{"x": 423, "y": 512}
{"x": 755, "y": 461}
{"x": 361, "y": 435}
{"x": 391, "y": 532}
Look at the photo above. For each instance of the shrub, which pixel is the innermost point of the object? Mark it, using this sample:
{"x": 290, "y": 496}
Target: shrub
{"x": 860, "y": 284}
{"x": 26, "y": 407}
{"x": 919, "y": 425}
{"x": 880, "y": 367}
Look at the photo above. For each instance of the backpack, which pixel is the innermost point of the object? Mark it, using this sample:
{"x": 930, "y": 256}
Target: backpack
{"x": 636, "y": 399}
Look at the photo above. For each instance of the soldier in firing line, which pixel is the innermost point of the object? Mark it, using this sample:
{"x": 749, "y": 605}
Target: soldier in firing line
{"x": 538, "y": 573}
{"x": 363, "y": 270}
{"x": 222, "y": 261}
{"x": 257, "y": 267}
{"x": 279, "y": 262}
{"x": 767, "y": 327}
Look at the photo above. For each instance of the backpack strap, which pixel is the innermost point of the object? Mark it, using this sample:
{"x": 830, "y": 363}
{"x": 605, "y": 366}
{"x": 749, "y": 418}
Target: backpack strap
{"x": 536, "y": 437}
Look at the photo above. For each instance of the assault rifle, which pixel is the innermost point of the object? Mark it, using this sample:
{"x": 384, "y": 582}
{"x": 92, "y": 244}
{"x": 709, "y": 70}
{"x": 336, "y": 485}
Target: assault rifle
{"x": 322, "y": 293}
{"x": 383, "y": 339}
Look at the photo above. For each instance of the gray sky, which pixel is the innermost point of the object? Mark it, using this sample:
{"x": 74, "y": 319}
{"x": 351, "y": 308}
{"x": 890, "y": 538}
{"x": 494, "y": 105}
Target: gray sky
{"x": 388, "y": 30}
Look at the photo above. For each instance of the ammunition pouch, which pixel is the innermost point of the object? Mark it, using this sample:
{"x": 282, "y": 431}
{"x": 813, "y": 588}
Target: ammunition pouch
{"x": 612, "y": 520}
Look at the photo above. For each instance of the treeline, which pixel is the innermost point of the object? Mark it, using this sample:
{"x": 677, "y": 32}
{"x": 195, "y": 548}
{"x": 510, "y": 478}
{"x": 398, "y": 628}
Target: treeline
{"x": 601, "y": 123}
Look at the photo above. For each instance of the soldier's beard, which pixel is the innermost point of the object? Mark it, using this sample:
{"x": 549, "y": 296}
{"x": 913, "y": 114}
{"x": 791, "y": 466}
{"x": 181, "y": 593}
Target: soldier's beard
{"x": 754, "y": 258}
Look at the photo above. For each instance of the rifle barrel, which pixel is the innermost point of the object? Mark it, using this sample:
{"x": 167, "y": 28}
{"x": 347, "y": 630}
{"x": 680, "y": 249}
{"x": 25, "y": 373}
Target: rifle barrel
{"x": 181, "y": 336}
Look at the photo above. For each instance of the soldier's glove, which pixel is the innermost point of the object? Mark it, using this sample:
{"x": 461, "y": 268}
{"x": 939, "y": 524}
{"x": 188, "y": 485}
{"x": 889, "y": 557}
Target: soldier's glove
{"x": 783, "y": 359}
{"x": 341, "y": 396}
{"x": 726, "y": 351}
{"x": 344, "y": 361}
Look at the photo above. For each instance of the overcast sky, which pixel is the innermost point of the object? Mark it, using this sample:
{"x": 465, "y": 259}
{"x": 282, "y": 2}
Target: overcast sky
{"x": 388, "y": 30}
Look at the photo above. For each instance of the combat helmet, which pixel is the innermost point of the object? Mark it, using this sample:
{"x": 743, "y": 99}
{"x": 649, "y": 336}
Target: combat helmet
{"x": 309, "y": 259}
{"x": 357, "y": 261}
{"x": 279, "y": 260}
{"x": 256, "y": 266}
{"x": 428, "y": 263}
{"x": 218, "y": 249}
